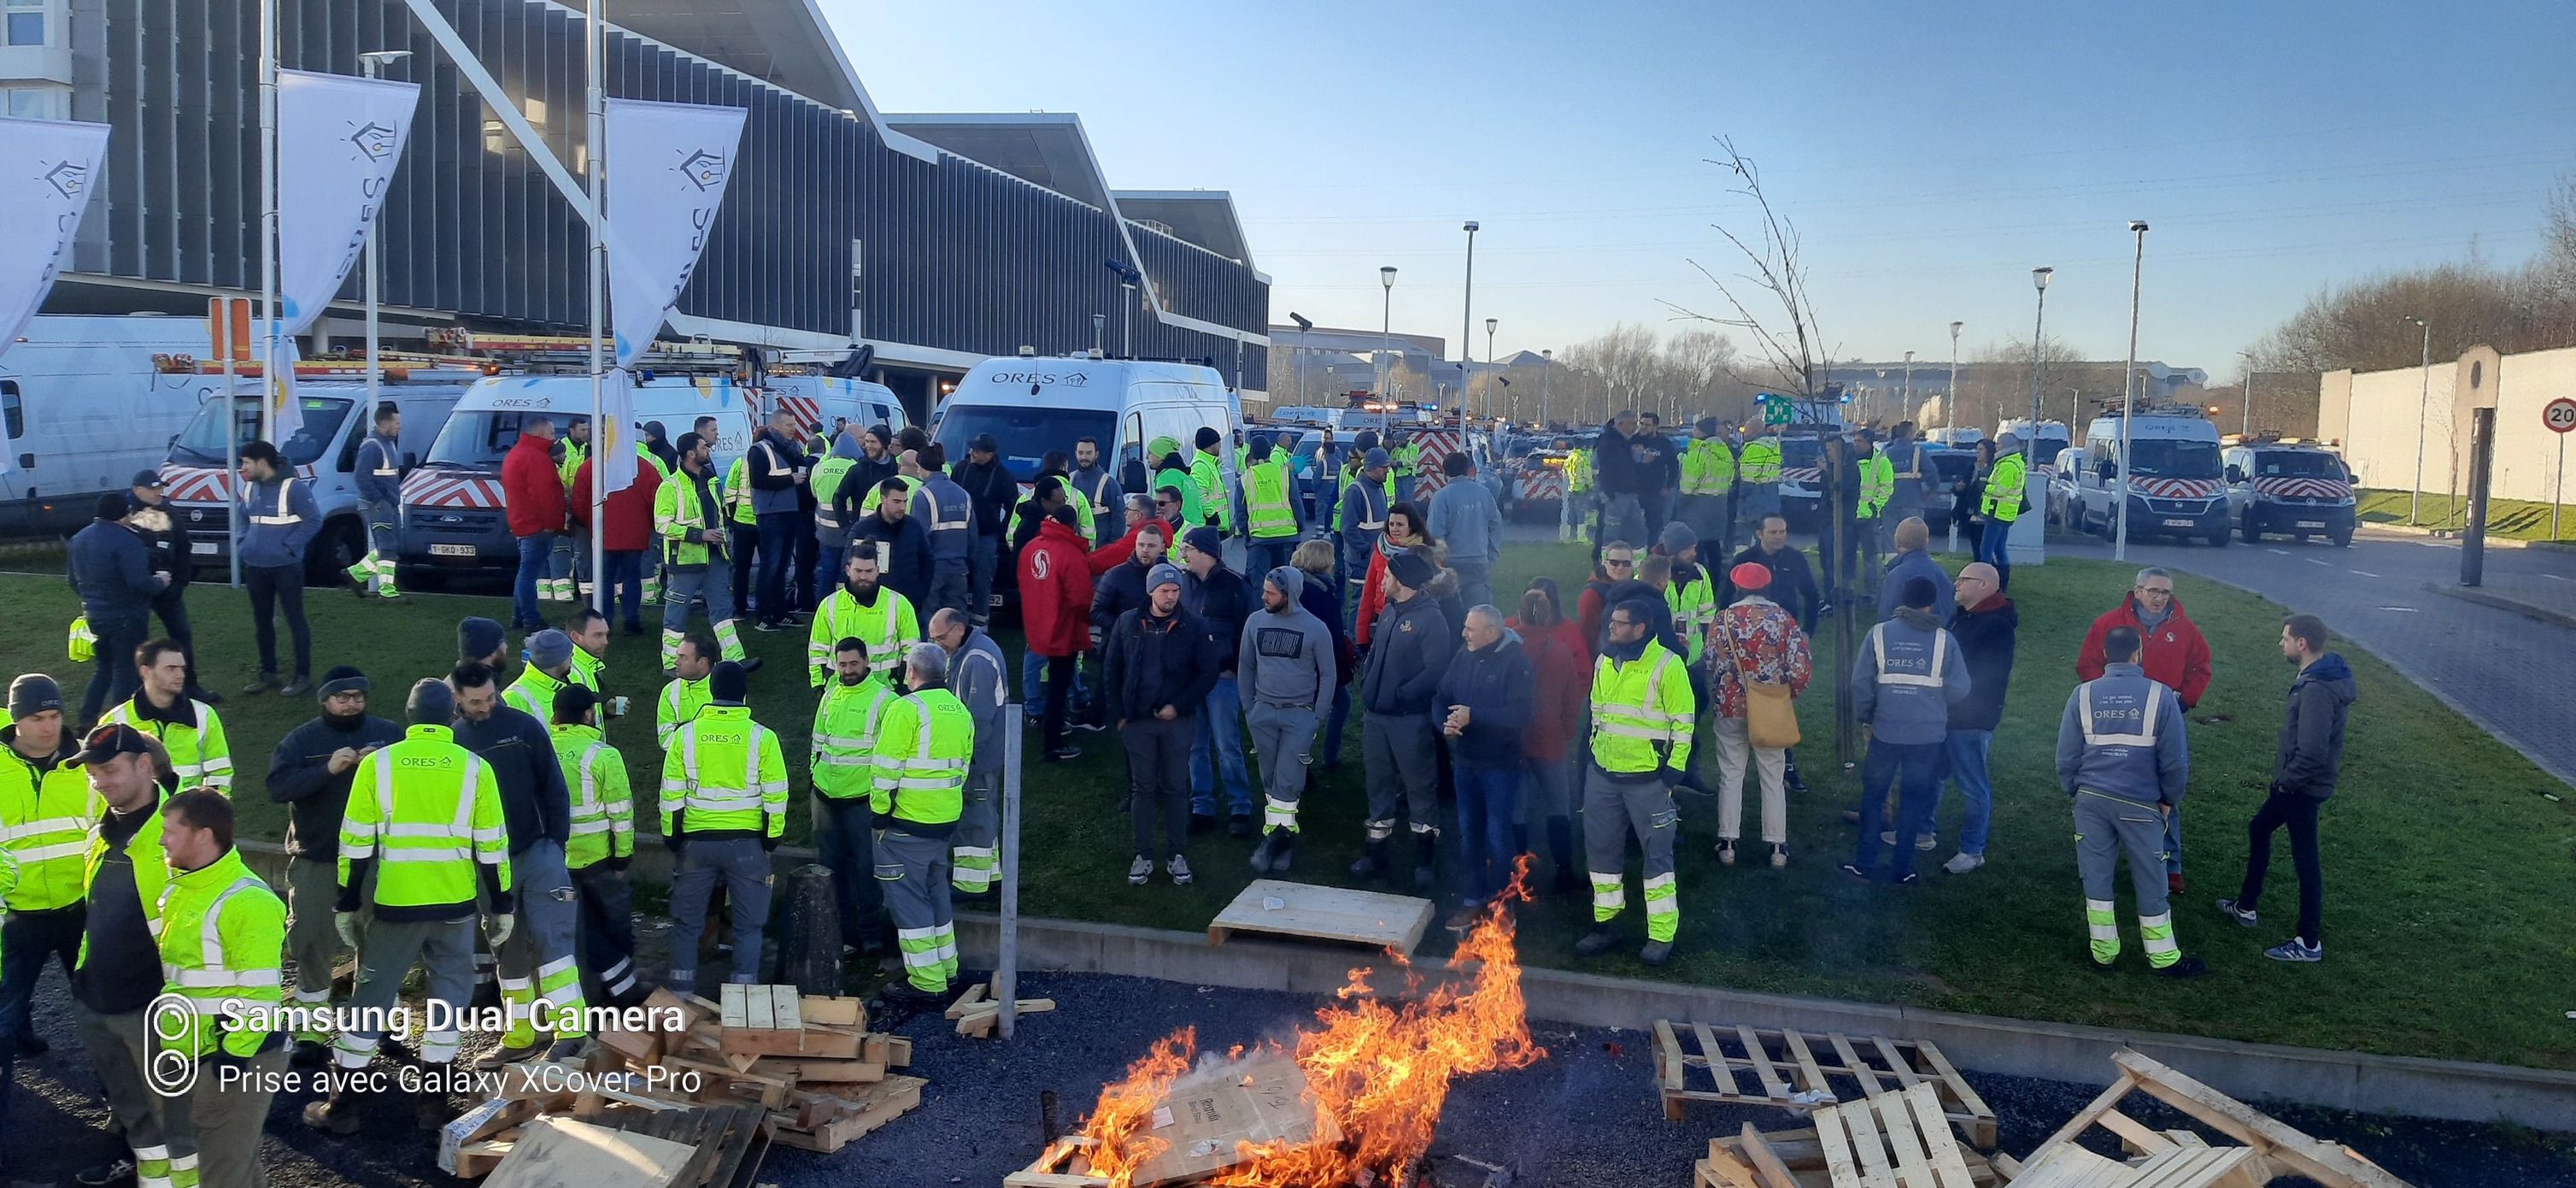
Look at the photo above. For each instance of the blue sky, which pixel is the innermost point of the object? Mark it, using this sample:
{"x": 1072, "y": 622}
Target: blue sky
{"x": 1930, "y": 155}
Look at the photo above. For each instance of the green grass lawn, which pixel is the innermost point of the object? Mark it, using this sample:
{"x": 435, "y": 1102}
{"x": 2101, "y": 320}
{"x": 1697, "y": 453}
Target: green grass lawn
{"x": 2515, "y": 519}
{"x": 2447, "y": 854}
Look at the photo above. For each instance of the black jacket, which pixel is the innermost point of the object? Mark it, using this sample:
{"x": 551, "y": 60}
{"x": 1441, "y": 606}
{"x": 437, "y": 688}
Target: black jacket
{"x": 1154, "y": 662}
{"x": 1225, "y": 600}
{"x": 1408, "y": 654}
{"x": 905, "y": 564}
{"x": 1324, "y": 601}
{"x": 111, "y": 566}
{"x": 993, "y": 491}
{"x": 855, "y": 499}
{"x": 1793, "y": 584}
{"x": 1496, "y": 687}
{"x": 1117, "y": 592}
{"x": 1986, "y": 642}
{"x": 299, "y": 777}
{"x": 533, "y": 797}
{"x": 1614, "y": 464}
{"x": 2311, "y": 748}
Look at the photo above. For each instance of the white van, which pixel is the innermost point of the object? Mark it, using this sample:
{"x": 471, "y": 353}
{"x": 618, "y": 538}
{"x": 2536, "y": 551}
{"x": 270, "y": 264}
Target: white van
{"x": 86, "y": 406}
{"x": 2039, "y": 448}
{"x": 1031, "y": 406}
{"x": 324, "y": 453}
{"x": 2175, "y": 486}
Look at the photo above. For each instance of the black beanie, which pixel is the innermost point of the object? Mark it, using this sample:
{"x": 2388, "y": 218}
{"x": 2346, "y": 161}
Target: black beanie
{"x": 343, "y": 679}
{"x": 728, "y": 684}
{"x": 32, "y": 694}
{"x": 477, "y": 638}
{"x": 432, "y": 703}
{"x": 1208, "y": 436}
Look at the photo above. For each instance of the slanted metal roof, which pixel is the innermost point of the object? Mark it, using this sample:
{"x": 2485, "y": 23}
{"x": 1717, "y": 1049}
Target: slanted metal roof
{"x": 1203, "y": 217}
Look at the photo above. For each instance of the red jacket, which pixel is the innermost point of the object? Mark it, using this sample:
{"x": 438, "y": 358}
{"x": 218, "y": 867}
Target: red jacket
{"x": 629, "y": 514}
{"x": 1055, "y": 591}
{"x": 1109, "y": 556}
{"x": 1559, "y": 710}
{"x": 2175, "y": 654}
{"x": 534, "y": 487}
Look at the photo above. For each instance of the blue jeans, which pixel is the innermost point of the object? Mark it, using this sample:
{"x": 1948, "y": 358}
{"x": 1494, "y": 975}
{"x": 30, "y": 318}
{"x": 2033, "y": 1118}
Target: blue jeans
{"x": 1916, "y": 769}
{"x": 778, "y": 533}
{"x": 1333, "y": 725}
{"x": 2173, "y": 841}
{"x": 1993, "y": 548}
{"x": 1964, "y": 754}
{"x": 536, "y": 557}
{"x": 1033, "y": 681}
{"x": 1321, "y": 495}
{"x": 828, "y": 559}
{"x": 625, "y": 584}
{"x": 1488, "y": 802}
{"x": 1220, "y": 724}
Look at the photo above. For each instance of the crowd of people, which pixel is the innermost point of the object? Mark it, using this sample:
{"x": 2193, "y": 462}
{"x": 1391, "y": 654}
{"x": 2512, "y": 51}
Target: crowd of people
{"x": 485, "y": 838}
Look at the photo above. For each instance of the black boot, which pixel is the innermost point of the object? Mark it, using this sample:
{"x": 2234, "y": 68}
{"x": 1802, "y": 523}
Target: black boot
{"x": 1286, "y": 854}
{"x": 431, "y": 1111}
{"x": 1372, "y": 861}
{"x": 1560, "y": 850}
{"x": 1520, "y": 838}
{"x": 1426, "y": 860}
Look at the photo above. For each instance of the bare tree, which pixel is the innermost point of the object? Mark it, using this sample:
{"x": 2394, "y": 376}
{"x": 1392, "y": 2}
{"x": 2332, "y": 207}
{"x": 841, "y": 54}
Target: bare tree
{"x": 1769, "y": 299}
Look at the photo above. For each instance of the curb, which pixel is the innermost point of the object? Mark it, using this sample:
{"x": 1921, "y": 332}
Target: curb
{"x": 2502, "y": 603}
{"x": 2493, "y": 541}
{"x": 2456, "y": 1090}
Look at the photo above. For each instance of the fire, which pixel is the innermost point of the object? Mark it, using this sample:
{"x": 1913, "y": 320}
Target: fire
{"x": 1379, "y": 1072}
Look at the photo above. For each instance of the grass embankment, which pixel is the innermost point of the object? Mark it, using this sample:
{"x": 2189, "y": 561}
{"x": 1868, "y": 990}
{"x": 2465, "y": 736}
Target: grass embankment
{"x": 2448, "y": 879}
{"x": 2514, "y": 519}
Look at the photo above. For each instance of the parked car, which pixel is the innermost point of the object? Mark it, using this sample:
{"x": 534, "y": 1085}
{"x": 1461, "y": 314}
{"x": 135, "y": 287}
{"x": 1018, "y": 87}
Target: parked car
{"x": 2061, "y": 488}
{"x": 2289, "y": 489}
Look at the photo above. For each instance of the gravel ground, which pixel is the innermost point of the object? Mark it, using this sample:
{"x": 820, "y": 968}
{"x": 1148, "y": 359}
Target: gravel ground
{"x": 1598, "y": 1119}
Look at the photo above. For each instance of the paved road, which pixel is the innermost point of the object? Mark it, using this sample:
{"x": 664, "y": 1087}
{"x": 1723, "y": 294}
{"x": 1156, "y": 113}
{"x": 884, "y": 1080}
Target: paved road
{"x": 2508, "y": 672}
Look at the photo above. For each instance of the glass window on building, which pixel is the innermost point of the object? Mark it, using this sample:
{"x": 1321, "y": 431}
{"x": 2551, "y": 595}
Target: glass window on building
{"x": 26, "y": 22}
{"x": 33, "y": 103}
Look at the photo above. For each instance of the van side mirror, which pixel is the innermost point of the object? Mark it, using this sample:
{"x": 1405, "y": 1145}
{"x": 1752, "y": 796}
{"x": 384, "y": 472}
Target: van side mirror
{"x": 411, "y": 458}
{"x": 2235, "y": 474}
{"x": 2104, "y": 470}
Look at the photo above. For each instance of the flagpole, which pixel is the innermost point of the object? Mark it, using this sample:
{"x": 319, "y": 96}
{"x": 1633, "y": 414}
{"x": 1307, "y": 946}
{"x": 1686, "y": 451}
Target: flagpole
{"x": 267, "y": 222}
{"x": 601, "y": 435}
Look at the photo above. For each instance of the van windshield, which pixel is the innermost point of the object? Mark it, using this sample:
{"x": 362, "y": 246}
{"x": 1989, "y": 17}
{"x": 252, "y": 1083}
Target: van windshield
{"x": 476, "y": 440}
{"x": 203, "y": 441}
{"x": 2297, "y": 464}
{"x": 1802, "y": 451}
{"x": 1025, "y": 434}
{"x": 2166, "y": 458}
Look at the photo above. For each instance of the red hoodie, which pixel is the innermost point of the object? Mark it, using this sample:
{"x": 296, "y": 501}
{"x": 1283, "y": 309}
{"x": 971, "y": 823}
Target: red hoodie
{"x": 1055, "y": 591}
{"x": 629, "y": 514}
{"x": 2175, "y": 654}
{"x": 1108, "y": 557}
{"x": 534, "y": 488}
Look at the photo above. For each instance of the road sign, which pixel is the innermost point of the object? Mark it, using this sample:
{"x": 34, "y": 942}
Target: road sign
{"x": 2559, "y": 415}
{"x": 1777, "y": 410}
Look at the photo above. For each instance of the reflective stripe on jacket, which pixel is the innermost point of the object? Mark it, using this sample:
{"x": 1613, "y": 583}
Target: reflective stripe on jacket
{"x": 1642, "y": 713}
{"x": 846, "y": 722}
{"x": 200, "y": 754}
{"x": 44, "y": 827}
{"x": 428, "y": 812}
{"x": 603, "y": 804}
{"x": 923, "y": 745}
{"x": 724, "y": 774}
{"x": 223, "y": 937}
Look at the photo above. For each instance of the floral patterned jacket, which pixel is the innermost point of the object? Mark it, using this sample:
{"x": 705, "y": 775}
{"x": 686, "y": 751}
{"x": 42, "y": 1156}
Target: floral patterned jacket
{"x": 1760, "y": 638}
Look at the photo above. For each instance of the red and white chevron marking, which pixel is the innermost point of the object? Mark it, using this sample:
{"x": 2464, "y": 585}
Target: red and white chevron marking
{"x": 808, "y": 410}
{"x": 205, "y": 484}
{"x": 1801, "y": 476}
{"x": 430, "y": 488}
{"x": 1541, "y": 484}
{"x": 2174, "y": 488}
{"x": 2282, "y": 487}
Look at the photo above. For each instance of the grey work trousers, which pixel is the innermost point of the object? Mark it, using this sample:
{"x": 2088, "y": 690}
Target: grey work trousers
{"x": 444, "y": 949}
{"x": 744, "y": 867}
{"x": 311, "y": 937}
{"x": 229, "y": 1118}
{"x": 1402, "y": 752}
{"x": 2107, "y": 826}
{"x": 1612, "y": 810}
{"x": 540, "y": 948}
{"x": 974, "y": 848}
{"x": 120, "y": 1048}
{"x": 1283, "y": 742}
{"x": 712, "y": 581}
{"x": 1158, "y": 782}
{"x": 913, "y": 868}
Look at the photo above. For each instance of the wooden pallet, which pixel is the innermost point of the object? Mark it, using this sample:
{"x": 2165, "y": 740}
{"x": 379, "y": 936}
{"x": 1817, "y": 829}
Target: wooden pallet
{"x": 731, "y": 1141}
{"x": 1372, "y": 918}
{"x": 1802, "y": 1071}
{"x": 1890, "y": 1140}
{"x": 1066, "y": 1163}
{"x": 2180, "y": 1159}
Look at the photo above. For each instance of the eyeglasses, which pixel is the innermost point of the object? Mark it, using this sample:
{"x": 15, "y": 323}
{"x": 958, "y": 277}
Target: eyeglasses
{"x": 2166, "y": 590}
{"x": 1614, "y": 563}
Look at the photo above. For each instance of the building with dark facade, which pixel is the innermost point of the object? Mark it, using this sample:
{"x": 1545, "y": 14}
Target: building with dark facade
{"x": 939, "y": 240}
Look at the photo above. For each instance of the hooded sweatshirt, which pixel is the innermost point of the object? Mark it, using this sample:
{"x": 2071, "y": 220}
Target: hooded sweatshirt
{"x": 1285, "y": 657}
{"x": 2311, "y": 748}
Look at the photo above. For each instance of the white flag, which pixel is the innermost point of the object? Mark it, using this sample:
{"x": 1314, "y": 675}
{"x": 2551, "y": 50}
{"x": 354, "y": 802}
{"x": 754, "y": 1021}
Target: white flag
{"x": 55, "y": 167}
{"x": 667, "y": 168}
{"x": 338, "y": 141}
{"x": 614, "y": 437}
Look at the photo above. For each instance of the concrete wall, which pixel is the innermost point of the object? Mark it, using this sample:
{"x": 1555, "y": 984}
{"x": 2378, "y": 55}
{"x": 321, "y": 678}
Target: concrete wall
{"x": 2374, "y": 414}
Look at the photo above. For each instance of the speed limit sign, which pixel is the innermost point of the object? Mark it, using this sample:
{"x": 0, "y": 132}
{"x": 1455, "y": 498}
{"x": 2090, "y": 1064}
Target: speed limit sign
{"x": 2559, "y": 415}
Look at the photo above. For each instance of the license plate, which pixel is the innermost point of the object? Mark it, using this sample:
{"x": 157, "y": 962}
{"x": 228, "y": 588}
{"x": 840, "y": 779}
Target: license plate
{"x": 2312, "y": 523}
{"x": 451, "y": 550}
{"x": 202, "y": 548}
{"x": 2178, "y": 523}
{"x": 997, "y": 600}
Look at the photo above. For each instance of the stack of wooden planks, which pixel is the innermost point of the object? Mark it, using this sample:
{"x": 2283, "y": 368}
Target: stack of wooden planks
{"x": 1889, "y": 1140}
{"x": 978, "y": 1013}
{"x": 801, "y": 1071}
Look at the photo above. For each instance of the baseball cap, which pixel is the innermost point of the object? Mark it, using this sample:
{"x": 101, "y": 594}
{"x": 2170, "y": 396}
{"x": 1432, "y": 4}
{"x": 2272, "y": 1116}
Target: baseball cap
{"x": 148, "y": 478}
{"x": 109, "y": 741}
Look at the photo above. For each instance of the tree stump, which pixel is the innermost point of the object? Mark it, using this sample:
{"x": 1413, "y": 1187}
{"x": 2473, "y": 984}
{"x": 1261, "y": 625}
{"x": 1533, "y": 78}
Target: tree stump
{"x": 809, "y": 941}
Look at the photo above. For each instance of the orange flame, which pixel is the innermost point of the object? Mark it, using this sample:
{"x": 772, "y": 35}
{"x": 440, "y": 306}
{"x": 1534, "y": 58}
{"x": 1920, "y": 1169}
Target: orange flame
{"x": 1380, "y": 1072}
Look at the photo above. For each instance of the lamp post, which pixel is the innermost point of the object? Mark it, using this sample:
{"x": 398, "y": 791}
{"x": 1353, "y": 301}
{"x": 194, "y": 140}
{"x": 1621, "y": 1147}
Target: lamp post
{"x": 1907, "y": 412}
{"x": 2039, "y": 280}
{"x": 372, "y": 64}
{"x": 2128, "y": 389}
{"x": 2423, "y": 402}
{"x": 1385, "y": 337}
{"x": 1950, "y": 398}
{"x": 1490, "y": 323}
{"x": 1297, "y": 358}
{"x": 1467, "y": 320}
{"x": 1546, "y": 367}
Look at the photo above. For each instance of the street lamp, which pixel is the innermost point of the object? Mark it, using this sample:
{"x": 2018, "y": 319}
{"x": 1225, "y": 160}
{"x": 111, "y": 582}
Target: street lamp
{"x": 2423, "y": 402}
{"x": 1950, "y": 399}
{"x": 1386, "y": 315}
{"x": 2246, "y": 429}
{"x": 2128, "y": 389}
{"x": 1467, "y": 320}
{"x": 2038, "y": 279}
{"x": 1127, "y": 280}
{"x": 1546, "y": 367}
{"x": 372, "y": 64}
{"x": 1298, "y": 362}
{"x": 1907, "y": 412}
{"x": 1490, "y": 323}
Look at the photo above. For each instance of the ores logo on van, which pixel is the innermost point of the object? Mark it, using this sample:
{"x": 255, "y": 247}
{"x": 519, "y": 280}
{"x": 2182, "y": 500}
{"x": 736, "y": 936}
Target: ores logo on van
{"x": 1071, "y": 379}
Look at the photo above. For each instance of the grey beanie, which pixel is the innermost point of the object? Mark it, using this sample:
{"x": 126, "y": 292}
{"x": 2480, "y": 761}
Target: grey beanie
{"x": 1676, "y": 537}
{"x": 1165, "y": 574}
{"x": 477, "y": 638}
{"x": 33, "y": 693}
{"x": 432, "y": 703}
{"x": 549, "y": 649}
{"x": 1375, "y": 457}
{"x": 344, "y": 679}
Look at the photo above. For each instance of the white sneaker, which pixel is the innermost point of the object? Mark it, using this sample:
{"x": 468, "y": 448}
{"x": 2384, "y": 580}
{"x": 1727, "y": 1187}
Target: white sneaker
{"x": 1927, "y": 842}
{"x": 1140, "y": 870}
{"x": 1726, "y": 851}
{"x": 1779, "y": 856}
{"x": 1963, "y": 862}
{"x": 1180, "y": 868}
